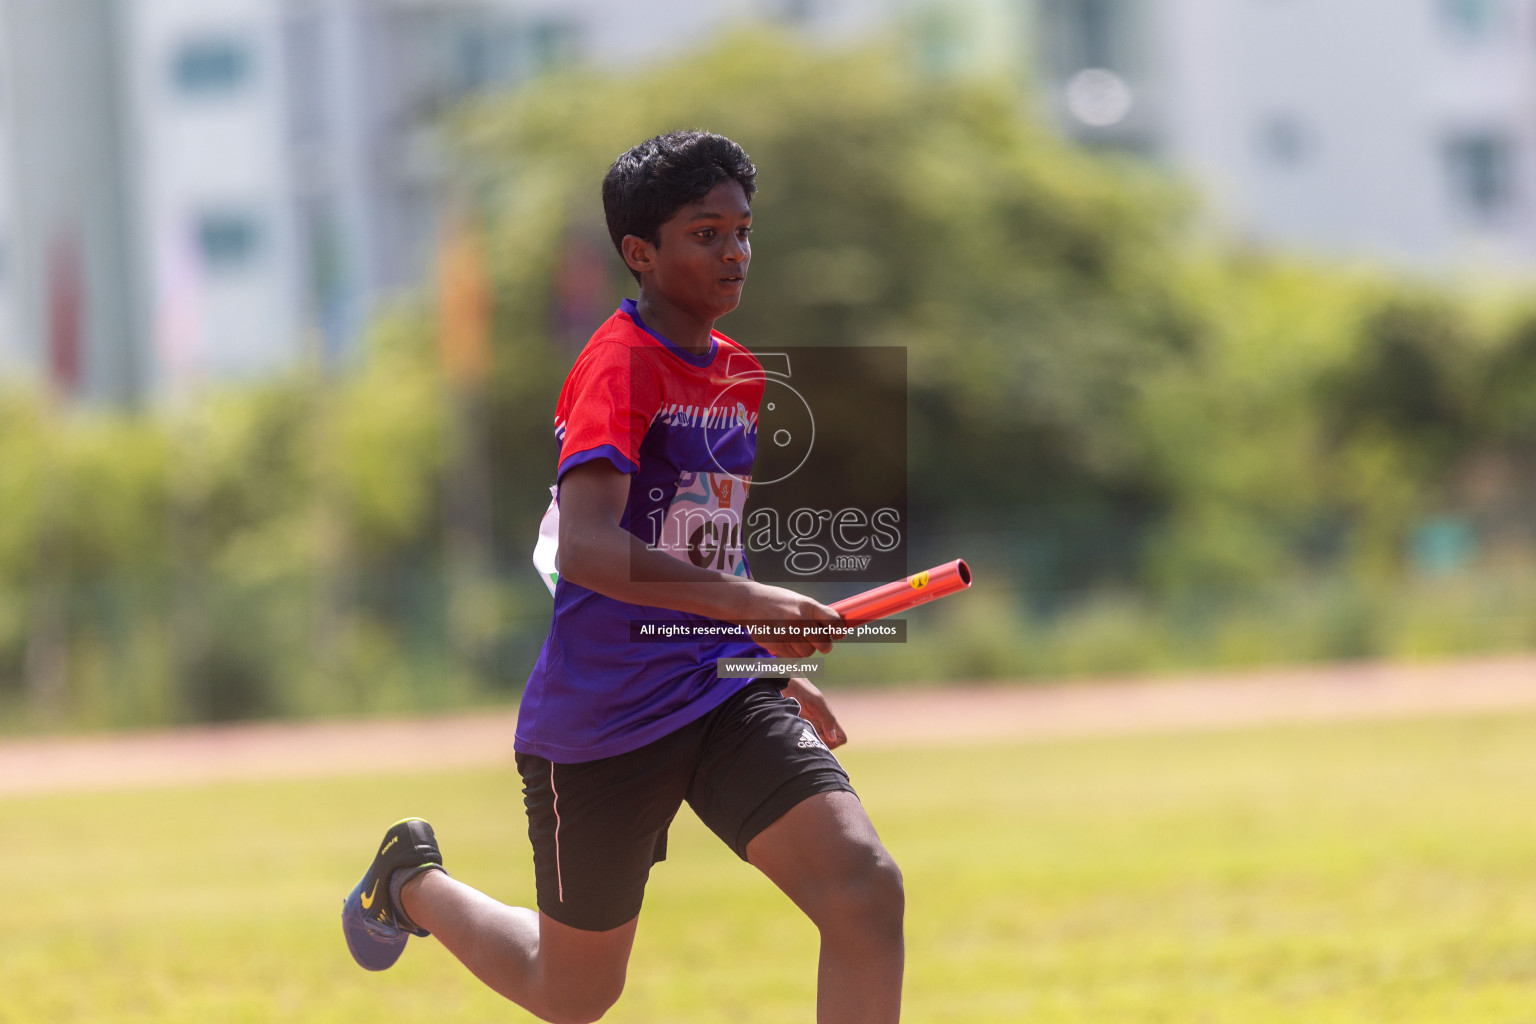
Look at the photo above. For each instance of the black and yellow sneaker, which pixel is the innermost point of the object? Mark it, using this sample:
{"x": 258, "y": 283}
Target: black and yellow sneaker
{"x": 372, "y": 919}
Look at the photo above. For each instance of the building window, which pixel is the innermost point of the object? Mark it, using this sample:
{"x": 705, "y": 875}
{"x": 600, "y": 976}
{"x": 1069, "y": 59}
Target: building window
{"x": 480, "y": 52}
{"x": 1480, "y": 172}
{"x": 1284, "y": 140}
{"x": 1096, "y": 33}
{"x": 796, "y": 12}
{"x": 1085, "y": 34}
{"x": 1471, "y": 20}
{"x": 228, "y": 240}
{"x": 211, "y": 65}
{"x": 552, "y": 44}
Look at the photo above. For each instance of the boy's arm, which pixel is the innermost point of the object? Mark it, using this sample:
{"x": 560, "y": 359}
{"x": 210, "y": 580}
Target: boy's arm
{"x": 599, "y": 554}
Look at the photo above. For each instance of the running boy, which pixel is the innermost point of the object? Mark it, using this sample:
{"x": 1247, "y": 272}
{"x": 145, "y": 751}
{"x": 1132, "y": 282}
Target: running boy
{"x": 613, "y": 735}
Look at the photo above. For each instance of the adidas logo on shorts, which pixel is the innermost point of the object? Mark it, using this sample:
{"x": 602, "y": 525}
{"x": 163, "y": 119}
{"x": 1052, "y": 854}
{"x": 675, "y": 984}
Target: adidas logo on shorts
{"x": 809, "y": 739}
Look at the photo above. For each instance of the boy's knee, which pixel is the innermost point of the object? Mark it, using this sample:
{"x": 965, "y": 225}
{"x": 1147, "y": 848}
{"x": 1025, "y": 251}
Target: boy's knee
{"x": 887, "y": 893}
{"x": 584, "y": 1006}
{"x": 871, "y": 900}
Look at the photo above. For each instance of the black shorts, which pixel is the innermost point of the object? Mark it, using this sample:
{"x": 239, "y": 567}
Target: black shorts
{"x": 598, "y": 826}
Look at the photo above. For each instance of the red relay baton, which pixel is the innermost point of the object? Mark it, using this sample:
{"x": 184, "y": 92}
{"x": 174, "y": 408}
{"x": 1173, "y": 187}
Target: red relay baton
{"x": 895, "y": 598}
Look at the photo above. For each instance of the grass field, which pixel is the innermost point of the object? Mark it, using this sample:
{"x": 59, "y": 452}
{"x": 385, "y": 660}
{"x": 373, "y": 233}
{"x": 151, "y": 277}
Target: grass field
{"x": 1380, "y": 872}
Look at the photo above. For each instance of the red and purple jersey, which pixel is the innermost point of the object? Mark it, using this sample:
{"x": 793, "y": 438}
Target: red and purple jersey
{"x": 684, "y": 427}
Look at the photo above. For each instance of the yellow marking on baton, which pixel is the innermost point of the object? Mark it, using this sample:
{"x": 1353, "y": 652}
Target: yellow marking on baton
{"x": 919, "y": 581}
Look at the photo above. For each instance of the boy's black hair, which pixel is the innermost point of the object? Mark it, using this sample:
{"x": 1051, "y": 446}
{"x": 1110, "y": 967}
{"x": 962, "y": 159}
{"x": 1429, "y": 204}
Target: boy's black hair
{"x": 648, "y": 185}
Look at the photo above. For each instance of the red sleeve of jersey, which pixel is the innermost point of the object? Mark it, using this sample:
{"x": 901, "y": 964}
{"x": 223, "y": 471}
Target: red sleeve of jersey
{"x": 606, "y": 407}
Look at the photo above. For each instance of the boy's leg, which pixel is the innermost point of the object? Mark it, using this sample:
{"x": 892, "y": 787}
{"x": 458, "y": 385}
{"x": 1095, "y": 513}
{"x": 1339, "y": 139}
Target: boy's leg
{"x": 769, "y": 788}
{"x": 556, "y": 972}
{"x": 596, "y": 827}
{"x": 825, "y": 855}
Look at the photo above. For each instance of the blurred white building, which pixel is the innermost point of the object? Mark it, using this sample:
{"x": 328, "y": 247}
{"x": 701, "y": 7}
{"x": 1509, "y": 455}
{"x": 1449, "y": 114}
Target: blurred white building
{"x": 1402, "y": 130}
{"x": 214, "y": 189}
{"x": 65, "y": 287}
{"x": 195, "y": 189}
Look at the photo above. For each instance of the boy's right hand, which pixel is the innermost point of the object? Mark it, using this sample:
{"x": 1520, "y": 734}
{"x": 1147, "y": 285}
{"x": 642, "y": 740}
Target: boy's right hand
{"x": 780, "y": 605}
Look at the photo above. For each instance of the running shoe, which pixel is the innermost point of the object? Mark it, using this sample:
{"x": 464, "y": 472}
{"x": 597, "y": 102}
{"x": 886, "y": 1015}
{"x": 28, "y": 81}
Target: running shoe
{"x": 372, "y": 919}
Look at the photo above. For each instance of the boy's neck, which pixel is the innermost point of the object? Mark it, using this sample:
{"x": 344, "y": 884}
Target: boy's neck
{"x": 681, "y": 328}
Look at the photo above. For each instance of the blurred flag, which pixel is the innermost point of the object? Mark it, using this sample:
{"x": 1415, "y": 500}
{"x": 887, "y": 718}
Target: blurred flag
{"x": 65, "y": 314}
{"x": 584, "y": 293}
{"x": 178, "y": 309}
{"x": 465, "y": 302}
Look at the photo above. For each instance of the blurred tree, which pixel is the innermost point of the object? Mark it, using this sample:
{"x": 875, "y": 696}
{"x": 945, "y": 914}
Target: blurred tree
{"x": 1247, "y": 450}
{"x": 1508, "y": 386}
{"x": 1026, "y": 279}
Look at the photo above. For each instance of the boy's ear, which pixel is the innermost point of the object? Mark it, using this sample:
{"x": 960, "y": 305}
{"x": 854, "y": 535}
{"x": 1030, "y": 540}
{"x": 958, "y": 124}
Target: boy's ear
{"x": 638, "y": 253}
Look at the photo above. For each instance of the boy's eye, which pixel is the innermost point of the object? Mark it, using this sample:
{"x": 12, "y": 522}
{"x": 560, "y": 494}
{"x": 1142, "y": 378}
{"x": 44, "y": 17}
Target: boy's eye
{"x": 706, "y": 233}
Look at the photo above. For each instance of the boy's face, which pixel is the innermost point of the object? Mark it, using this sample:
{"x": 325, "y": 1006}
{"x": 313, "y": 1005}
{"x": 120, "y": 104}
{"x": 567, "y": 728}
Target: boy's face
{"x": 699, "y": 263}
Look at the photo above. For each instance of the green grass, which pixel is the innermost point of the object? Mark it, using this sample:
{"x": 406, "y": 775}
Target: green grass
{"x": 1382, "y": 872}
